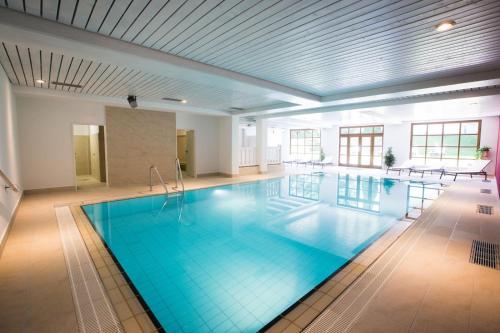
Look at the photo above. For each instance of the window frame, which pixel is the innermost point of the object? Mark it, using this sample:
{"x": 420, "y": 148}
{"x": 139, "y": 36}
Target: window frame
{"x": 312, "y": 142}
{"x": 372, "y": 136}
{"x": 458, "y": 146}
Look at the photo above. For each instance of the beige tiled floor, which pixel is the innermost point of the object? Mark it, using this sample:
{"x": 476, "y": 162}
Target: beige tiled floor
{"x": 434, "y": 289}
{"x": 35, "y": 294}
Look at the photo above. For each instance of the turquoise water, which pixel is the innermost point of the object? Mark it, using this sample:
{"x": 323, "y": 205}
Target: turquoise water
{"x": 232, "y": 258}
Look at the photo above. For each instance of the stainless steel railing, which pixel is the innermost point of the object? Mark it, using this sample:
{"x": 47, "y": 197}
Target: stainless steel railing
{"x": 8, "y": 183}
{"x": 155, "y": 170}
{"x": 178, "y": 175}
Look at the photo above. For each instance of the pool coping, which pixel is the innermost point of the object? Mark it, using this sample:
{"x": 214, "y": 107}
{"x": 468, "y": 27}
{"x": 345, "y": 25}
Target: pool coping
{"x": 295, "y": 318}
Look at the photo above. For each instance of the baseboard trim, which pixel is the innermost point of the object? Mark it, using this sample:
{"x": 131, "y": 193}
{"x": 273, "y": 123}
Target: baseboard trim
{"x": 3, "y": 238}
{"x": 49, "y": 190}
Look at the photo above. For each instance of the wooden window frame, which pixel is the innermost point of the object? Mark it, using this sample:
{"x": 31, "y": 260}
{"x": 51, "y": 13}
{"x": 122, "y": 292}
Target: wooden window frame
{"x": 460, "y": 122}
{"x": 312, "y": 144}
{"x": 360, "y": 135}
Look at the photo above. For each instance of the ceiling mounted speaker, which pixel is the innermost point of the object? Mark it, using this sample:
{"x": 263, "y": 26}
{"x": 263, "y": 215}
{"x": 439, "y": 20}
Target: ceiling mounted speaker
{"x": 132, "y": 101}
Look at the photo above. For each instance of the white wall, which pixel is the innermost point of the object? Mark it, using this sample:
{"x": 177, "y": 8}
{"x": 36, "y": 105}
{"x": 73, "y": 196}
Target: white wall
{"x": 9, "y": 157}
{"x": 330, "y": 143}
{"x": 206, "y": 137}
{"x": 45, "y": 126}
{"x": 398, "y": 137}
{"x": 46, "y": 142}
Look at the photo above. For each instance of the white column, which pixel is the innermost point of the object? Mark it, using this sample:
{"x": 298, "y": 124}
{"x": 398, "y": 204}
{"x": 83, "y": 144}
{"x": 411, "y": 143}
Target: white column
{"x": 229, "y": 145}
{"x": 262, "y": 144}
{"x": 235, "y": 145}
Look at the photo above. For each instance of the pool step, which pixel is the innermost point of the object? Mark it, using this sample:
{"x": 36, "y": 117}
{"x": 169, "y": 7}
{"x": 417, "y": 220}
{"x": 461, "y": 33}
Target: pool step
{"x": 284, "y": 205}
{"x": 288, "y": 201}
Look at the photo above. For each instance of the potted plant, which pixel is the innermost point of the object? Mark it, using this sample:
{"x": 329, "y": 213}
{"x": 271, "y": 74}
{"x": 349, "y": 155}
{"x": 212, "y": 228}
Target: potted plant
{"x": 483, "y": 152}
{"x": 322, "y": 155}
{"x": 389, "y": 158}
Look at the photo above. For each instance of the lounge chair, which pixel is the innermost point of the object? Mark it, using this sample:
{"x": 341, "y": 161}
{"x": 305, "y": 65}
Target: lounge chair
{"x": 422, "y": 169}
{"x": 327, "y": 161}
{"x": 303, "y": 161}
{"x": 407, "y": 165}
{"x": 473, "y": 167}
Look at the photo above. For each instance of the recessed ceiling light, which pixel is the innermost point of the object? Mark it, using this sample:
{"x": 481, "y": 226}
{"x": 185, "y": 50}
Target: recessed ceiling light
{"x": 40, "y": 81}
{"x": 184, "y": 101}
{"x": 445, "y": 25}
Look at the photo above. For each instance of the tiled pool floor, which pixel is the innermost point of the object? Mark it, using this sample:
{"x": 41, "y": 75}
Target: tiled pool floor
{"x": 434, "y": 289}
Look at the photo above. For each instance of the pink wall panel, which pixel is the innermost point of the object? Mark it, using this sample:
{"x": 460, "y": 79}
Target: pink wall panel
{"x": 497, "y": 167}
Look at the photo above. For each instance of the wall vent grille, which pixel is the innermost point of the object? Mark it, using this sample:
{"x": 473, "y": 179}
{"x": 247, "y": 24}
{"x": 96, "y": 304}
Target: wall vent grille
{"x": 483, "y": 209}
{"x": 485, "y": 254}
{"x": 485, "y": 191}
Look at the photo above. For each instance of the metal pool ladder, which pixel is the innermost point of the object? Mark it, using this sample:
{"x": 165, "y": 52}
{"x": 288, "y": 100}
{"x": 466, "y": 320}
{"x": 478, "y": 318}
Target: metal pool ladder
{"x": 178, "y": 175}
{"x": 155, "y": 169}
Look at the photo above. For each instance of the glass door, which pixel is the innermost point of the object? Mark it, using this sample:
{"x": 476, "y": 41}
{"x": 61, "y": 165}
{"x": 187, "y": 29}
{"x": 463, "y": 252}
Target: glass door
{"x": 361, "y": 146}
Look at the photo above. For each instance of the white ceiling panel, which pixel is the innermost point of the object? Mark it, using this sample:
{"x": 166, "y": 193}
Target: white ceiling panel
{"x": 24, "y": 66}
{"x": 318, "y": 46}
{"x": 467, "y": 108}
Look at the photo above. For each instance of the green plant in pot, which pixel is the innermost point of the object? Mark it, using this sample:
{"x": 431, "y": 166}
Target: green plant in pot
{"x": 389, "y": 158}
{"x": 322, "y": 155}
{"x": 483, "y": 152}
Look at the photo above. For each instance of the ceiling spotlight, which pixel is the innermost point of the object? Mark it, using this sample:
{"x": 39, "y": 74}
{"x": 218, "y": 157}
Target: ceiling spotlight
{"x": 40, "y": 81}
{"x": 132, "y": 101}
{"x": 445, "y": 25}
{"x": 183, "y": 101}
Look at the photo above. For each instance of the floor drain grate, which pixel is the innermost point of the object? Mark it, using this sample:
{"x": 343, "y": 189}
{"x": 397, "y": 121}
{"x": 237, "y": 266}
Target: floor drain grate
{"x": 485, "y": 191}
{"x": 483, "y": 209}
{"x": 485, "y": 254}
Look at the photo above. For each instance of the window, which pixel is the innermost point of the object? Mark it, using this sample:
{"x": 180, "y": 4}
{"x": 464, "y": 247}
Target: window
{"x": 361, "y": 146}
{"x": 448, "y": 142}
{"x": 305, "y": 144}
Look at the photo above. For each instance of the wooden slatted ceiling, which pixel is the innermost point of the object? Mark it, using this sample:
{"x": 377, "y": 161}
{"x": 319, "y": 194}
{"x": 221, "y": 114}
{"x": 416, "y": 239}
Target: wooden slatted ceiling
{"x": 24, "y": 66}
{"x": 319, "y": 46}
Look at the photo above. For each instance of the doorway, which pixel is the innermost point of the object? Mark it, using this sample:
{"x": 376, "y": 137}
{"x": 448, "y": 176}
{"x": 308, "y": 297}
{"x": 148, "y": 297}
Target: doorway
{"x": 361, "y": 146}
{"x": 186, "y": 152}
{"x": 90, "y": 155}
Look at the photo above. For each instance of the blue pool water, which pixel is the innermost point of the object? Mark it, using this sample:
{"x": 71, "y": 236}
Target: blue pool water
{"x": 232, "y": 258}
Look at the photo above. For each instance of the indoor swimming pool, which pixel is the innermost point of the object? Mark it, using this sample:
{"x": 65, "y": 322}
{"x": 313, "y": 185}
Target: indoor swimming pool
{"x": 233, "y": 258}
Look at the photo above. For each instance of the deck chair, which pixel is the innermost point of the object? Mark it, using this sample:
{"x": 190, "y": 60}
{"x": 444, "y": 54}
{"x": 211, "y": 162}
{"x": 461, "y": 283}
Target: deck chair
{"x": 473, "y": 167}
{"x": 327, "y": 161}
{"x": 432, "y": 167}
{"x": 407, "y": 165}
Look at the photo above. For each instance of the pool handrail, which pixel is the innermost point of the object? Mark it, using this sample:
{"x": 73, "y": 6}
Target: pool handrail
{"x": 9, "y": 183}
{"x": 178, "y": 175}
{"x": 154, "y": 168}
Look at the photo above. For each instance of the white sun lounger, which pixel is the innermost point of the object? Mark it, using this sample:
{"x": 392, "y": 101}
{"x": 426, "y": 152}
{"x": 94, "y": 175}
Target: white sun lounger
{"x": 473, "y": 167}
{"x": 327, "y": 161}
{"x": 407, "y": 165}
{"x": 422, "y": 169}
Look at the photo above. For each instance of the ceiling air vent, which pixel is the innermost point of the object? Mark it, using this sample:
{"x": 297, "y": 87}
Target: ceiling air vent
{"x": 183, "y": 101}
{"x": 483, "y": 209}
{"x": 66, "y": 84}
{"x": 485, "y": 254}
{"x": 236, "y": 109}
{"x": 485, "y": 191}
{"x": 172, "y": 99}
